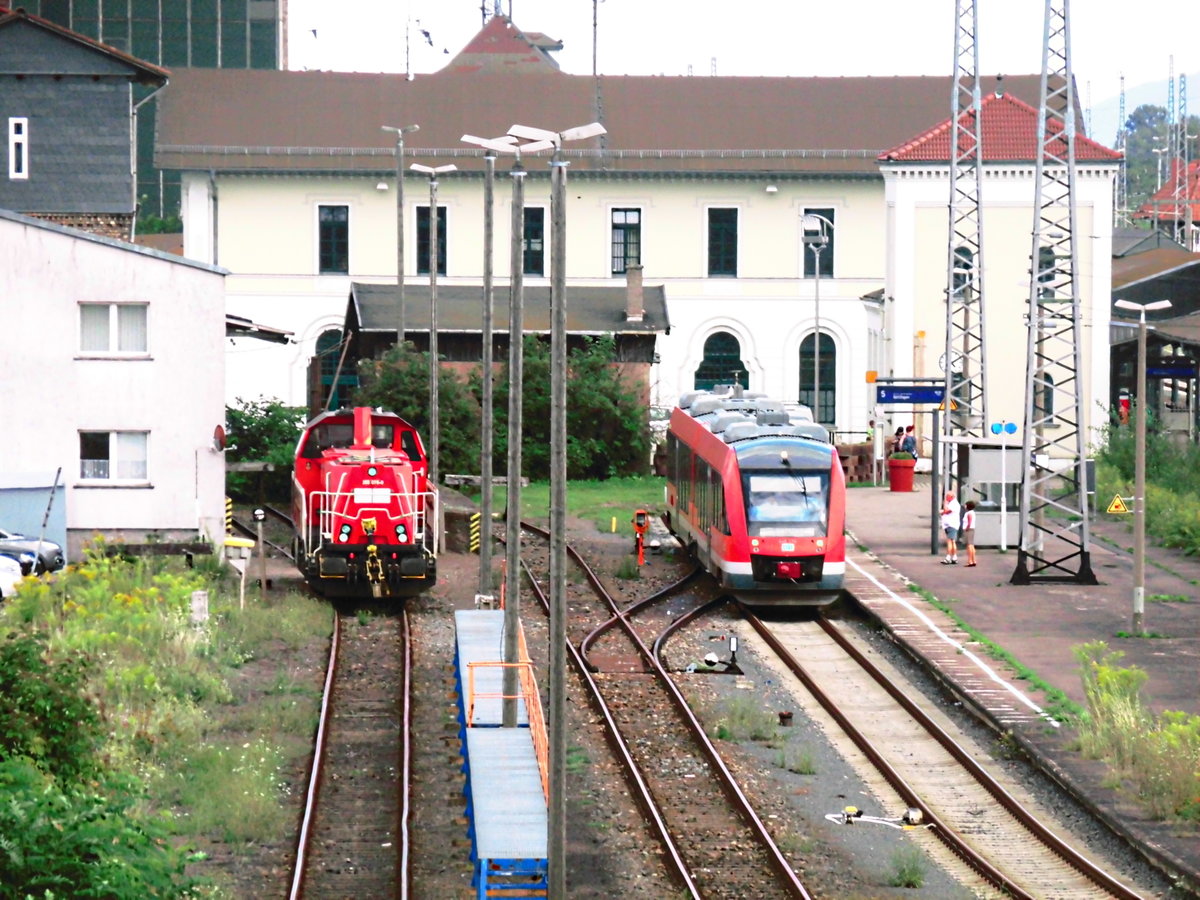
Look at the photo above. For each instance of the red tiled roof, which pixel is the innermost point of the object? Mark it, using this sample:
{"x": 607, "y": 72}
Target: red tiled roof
{"x": 1161, "y": 204}
{"x": 1009, "y": 135}
{"x": 501, "y": 46}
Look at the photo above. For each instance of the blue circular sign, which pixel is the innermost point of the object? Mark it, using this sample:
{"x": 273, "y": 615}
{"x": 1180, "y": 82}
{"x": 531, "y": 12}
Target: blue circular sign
{"x": 1010, "y": 427}
{"x": 996, "y": 427}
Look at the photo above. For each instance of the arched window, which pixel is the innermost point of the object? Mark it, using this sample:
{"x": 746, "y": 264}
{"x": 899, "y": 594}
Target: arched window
{"x": 808, "y": 361}
{"x": 329, "y": 353}
{"x": 722, "y": 363}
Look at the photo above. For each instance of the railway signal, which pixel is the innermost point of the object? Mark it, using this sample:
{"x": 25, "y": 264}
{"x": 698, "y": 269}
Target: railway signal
{"x": 640, "y": 522}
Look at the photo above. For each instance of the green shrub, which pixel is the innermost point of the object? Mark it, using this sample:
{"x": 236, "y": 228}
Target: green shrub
{"x": 70, "y": 840}
{"x": 44, "y": 714}
{"x": 1159, "y": 756}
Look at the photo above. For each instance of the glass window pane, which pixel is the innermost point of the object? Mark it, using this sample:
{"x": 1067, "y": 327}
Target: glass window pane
{"x": 131, "y": 329}
{"x": 93, "y": 327}
{"x": 131, "y": 454}
{"x": 93, "y": 454}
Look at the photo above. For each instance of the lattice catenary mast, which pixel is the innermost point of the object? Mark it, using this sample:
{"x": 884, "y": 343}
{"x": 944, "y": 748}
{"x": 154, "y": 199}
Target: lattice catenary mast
{"x": 1054, "y": 543}
{"x": 963, "y": 362}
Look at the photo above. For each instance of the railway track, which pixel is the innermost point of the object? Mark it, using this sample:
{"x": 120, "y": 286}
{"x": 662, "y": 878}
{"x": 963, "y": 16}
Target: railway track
{"x": 354, "y": 836}
{"x": 1009, "y": 846}
{"x": 712, "y": 839}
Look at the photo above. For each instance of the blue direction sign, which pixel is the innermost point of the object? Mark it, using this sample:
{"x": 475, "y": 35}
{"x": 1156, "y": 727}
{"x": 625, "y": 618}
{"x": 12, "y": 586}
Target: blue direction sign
{"x": 910, "y": 393}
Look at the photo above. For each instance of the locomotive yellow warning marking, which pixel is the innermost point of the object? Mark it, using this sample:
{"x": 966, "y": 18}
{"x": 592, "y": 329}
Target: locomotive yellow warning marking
{"x": 1118, "y": 505}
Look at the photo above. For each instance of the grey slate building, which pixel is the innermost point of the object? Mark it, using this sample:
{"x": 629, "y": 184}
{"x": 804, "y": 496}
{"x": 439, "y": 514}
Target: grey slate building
{"x": 65, "y": 106}
{"x": 213, "y": 34}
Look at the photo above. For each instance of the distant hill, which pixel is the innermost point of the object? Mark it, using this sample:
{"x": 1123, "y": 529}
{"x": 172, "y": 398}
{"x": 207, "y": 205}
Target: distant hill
{"x": 1104, "y": 114}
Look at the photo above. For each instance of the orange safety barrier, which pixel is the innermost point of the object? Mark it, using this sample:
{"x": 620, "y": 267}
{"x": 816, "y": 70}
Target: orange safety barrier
{"x": 528, "y": 692}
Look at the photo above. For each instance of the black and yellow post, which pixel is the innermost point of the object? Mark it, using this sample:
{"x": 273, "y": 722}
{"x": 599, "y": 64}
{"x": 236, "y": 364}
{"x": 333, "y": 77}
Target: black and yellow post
{"x": 475, "y": 531}
{"x": 228, "y": 515}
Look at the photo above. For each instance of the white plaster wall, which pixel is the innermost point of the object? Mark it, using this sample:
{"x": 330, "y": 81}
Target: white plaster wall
{"x": 176, "y": 392}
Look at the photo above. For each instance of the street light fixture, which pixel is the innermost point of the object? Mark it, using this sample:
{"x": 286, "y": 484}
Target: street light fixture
{"x": 434, "y": 257}
{"x": 400, "y": 132}
{"x": 1139, "y": 466}
{"x": 816, "y": 230}
{"x": 558, "y": 488}
{"x": 516, "y": 362}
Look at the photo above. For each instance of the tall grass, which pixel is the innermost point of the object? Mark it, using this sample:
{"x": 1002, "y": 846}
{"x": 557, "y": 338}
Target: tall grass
{"x": 596, "y": 501}
{"x": 167, "y": 687}
{"x": 1158, "y": 757}
{"x": 1172, "y": 483}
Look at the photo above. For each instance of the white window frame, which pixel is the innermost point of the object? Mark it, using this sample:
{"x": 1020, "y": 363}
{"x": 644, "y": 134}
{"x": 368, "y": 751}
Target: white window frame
{"x": 114, "y": 331}
{"x": 18, "y": 148}
{"x": 119, "y": 457}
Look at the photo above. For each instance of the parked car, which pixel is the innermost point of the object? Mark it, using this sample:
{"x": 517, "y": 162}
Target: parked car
{"x": 49, "y": 554}
{"x": 10, "y": 576}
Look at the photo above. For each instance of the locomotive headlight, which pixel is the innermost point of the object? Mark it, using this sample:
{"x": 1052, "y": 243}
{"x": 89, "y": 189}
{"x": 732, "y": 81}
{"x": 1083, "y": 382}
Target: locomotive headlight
{"x": 820, "y": 543}
{"x": 372, "y": 471}
{"x": 754, "y": 542}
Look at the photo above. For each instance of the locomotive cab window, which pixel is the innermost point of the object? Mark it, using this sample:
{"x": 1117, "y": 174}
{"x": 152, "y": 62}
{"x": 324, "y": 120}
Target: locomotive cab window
{"x": 786, "y": 504}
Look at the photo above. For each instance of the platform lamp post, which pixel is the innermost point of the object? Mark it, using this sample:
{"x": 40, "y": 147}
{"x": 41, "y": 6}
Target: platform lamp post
{"x": 1139, "y": 466}
{"x": 558, "y": 488}
{"x": 1001, "y": 429}
{"x": 816, "y": 237}
{"x": 400, "y": 132}
{"x": 434, "y": 258}
{"x": 516, "y": 386}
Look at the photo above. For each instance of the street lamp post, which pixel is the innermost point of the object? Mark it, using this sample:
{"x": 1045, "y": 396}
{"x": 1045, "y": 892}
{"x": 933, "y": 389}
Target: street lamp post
{"x": 1003, "y": 428}
{"x": 516, "y": 363}
{"x": 434, "y": 419}
{"x": 816, "y": 237}
{"x": 558, "y": 489}
{"x": 1139, "y": 466}
{"x": 400, "y": 133}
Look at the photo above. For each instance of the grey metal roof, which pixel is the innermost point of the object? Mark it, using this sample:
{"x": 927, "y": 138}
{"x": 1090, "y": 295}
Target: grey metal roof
{"x": 590, "y": 310}
{"x": 264, "y": 121}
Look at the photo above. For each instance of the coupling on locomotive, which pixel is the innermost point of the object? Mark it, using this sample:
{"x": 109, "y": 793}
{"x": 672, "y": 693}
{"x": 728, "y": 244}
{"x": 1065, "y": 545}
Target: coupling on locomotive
{"x": 364, "y": 511}
{"x": 757, "y": 493}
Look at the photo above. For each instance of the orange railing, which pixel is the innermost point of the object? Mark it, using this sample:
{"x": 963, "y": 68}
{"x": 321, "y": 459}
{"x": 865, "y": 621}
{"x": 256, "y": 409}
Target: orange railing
{"x": 527, "y": 691}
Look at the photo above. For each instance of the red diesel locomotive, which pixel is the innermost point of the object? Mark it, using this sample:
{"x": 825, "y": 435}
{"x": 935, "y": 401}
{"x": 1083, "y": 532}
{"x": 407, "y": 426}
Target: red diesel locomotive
{"x": 756, "y": 492}
{"x": 364, "y": 511}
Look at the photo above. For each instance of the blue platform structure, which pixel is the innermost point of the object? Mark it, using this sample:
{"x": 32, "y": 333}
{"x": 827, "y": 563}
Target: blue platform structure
{"x": 505, "y": 781}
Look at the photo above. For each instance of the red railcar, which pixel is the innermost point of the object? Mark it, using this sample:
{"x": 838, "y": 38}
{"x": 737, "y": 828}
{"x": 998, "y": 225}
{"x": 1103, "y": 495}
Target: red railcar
{"x": 756, "y": 492}
{"x": 364, "y": 511}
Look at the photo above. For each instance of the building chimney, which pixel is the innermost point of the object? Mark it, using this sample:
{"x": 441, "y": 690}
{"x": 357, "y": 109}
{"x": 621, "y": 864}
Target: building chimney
{"x": 634, "y": 306}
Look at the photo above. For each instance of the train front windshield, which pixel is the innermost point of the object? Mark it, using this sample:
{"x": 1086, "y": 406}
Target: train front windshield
{"x": 786, "y": 504}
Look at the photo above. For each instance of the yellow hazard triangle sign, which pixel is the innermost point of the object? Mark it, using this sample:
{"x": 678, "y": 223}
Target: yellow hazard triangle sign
{"x": 1118, "y": 505}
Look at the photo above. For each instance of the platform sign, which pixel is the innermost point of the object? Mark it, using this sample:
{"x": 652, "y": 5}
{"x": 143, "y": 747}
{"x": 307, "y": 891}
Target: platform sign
{"x": 916, "y": 393}
{"x": 1118, "y": 505}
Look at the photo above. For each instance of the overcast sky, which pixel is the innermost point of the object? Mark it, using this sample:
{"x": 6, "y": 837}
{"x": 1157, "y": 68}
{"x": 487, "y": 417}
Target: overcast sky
{"x": 764, "y": 37}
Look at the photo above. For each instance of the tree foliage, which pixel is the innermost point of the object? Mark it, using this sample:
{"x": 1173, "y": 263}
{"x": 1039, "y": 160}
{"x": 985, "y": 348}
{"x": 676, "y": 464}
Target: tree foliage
{"x": 399, "y": 382}
{"x": 262, "y": 431}
{"x": 1146, "y": 130}
{"x": 608, "y": 431}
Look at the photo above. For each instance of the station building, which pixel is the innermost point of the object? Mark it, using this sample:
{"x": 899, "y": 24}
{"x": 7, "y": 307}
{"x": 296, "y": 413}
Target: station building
{"x": 289, "y": 182}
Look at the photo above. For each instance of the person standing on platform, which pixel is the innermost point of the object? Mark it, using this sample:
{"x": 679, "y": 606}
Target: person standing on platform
{"x": 950, "y": 522}
{"x": 968, "y": 531}
{"x": 909, "y": 444}
{"x": 898, "y": 440}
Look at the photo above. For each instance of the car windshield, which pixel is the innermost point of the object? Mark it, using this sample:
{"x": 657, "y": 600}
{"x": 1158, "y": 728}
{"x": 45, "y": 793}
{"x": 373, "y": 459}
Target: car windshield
{"x": 786, "y": 504}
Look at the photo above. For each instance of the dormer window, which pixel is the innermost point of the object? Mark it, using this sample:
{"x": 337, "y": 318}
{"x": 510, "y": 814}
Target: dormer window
{"x": 18, "y": 148}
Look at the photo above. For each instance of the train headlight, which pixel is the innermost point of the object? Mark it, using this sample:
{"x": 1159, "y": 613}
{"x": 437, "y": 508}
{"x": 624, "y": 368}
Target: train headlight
{"x": 372, "y": 471}
{"x": 344, "y": 532}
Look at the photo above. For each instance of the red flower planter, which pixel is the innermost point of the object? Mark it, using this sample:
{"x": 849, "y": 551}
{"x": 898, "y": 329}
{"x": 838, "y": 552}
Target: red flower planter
{"x": 900, "y": 474}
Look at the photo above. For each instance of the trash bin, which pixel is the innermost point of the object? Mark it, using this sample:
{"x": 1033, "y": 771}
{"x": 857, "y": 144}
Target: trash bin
{"x": 900, "y": 474}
